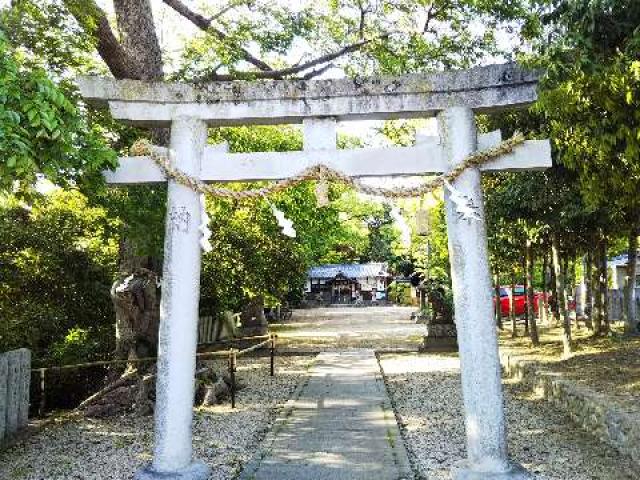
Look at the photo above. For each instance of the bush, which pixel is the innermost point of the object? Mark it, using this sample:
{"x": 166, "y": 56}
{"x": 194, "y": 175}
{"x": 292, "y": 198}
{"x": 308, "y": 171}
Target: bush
{"x": 56, "y": 268}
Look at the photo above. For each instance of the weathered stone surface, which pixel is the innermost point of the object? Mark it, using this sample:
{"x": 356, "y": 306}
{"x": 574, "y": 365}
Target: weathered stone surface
{"x": 471, "y": 282}
{"x": 195, "y": 471}
{"x": 175, "y": 384}
{"x": 483, "y": 89}
{"x": 440, "y": 337}
{"x": 4, "y": 369}
{"x": 13, "y": 391}
{"x": 514, "y": 472}
{"x": 591, "y": 410}
{"x": 23, "y": 387}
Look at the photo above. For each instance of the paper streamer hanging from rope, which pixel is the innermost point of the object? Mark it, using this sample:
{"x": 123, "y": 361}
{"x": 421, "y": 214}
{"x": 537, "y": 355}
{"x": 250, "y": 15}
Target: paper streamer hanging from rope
{"x": 465, "y": 208}
{"x": 403, "y": 226}
{"x": 205, "y": 239}
{"x": 283, "y": 222}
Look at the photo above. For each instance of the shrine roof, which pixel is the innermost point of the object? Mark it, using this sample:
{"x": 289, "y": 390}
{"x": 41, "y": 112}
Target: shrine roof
{"x": 350, "y": 270}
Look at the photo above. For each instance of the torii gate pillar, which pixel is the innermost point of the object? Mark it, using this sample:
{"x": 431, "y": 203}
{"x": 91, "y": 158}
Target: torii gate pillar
{"x": 175, "y": 385}
{"x": 477, "y": 338}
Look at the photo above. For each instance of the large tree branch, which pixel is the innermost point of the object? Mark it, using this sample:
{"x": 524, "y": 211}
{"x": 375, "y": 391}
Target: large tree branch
{"x": 94, "y": 21}
{"x": 138, "y": 36}
{"x": 285, "y": 72}
{"x": 206, "y": 24}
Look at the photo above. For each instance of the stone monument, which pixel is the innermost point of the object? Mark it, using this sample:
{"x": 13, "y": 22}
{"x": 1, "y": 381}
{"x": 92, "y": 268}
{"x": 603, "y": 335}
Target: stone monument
{"x": 441, "y": 329}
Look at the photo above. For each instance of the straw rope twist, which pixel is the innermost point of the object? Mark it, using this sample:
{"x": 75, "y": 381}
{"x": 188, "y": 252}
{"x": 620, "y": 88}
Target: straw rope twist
{"x": 321, "y": 172}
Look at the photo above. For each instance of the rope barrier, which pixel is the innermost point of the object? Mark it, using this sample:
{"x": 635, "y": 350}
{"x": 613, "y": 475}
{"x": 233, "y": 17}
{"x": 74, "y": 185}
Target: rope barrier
{"x": 231, "y": 354}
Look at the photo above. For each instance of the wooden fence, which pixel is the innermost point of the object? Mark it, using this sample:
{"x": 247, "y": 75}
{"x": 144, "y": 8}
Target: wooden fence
{"x": 213, "y": 329}
{"x": 15, "y": 379}
{"x": 232, "y": 354}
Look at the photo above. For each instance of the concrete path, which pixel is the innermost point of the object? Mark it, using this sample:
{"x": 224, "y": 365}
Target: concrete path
{"x": 345, "y": 328}
{"x": 341, "y": 426}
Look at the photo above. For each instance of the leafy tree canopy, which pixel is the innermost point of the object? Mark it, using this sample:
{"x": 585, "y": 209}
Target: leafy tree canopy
{"x": 41, "y": 129}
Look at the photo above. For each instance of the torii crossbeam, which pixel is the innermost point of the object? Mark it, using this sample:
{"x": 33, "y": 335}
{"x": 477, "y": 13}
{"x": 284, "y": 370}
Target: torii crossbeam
{"x": 188, "y": 109}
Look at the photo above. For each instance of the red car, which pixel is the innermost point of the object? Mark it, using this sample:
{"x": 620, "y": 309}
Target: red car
{"x": 519, "y": 300}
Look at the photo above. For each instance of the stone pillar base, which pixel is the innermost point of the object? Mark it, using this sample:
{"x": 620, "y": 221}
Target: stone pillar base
{"x": 462, "y": 471}
{"x": 196, "y": 471}
{"x": 440, "y": 337}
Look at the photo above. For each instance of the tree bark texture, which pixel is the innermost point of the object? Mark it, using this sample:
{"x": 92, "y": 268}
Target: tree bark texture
{"x": 554, "y": 307}
{"x": 597, "y": 298}
{"x": 136, "y": 54}
{"x": 542, "y": 311}
{"x": 560, "y": 300}
{"x": 512, "y": 308}
{"x": 604, "y": 286}
{"x": 498, "y": 303}
{"x": 253, "y": 319}
{"x": 631, "y": 318}
{"x": 533, "y": 328}
{"x": 138, "y": 36}
{"x": 525, "y": 285}
{"x": 588, "y": 290}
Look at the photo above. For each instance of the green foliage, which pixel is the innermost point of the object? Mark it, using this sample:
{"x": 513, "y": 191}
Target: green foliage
{"x": 57, "y": 261}
{"x": 41, "y": 131}
{"x": 400, "y": 293}
{"x": 76, "y": 347}
{"x": 405, "y": 35}
{"x": 591, "y": 96}
{"x": 251, "y": 256}
{"x": 45, "y": 36}
{"x": 438, "y": 256}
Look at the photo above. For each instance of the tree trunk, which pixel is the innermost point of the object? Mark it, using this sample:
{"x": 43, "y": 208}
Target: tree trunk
{"x": 252, "y": 318}
{"x": 136, "y": 298}
{"x": 498, "y": 303}
{"x": 139, "y": 40}
{"x": 604, "y": 286}
{"x": 573, "y": 286}
{"x": 542, "y": 310}
{"x": 512, "y": 307}
{"x": 568, "y": 284}
{"x": 136, "y": 54}
{"x": 596, "y": 314}
{"x": 525, "y": 285}
{"x": 138, "y": 36}
{"x": 631, "y": 319}
{"x": 560, "y": 300}
{"x": 554, "y": 310}
{"x": 533, "y": 328}
{"x": 588, "y": 290}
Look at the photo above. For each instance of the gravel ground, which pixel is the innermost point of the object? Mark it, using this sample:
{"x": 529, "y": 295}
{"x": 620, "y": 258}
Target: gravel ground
{"x": 608, "y": 365}
{"x": 114, "y": 449}
{"x": 426, "y": 392}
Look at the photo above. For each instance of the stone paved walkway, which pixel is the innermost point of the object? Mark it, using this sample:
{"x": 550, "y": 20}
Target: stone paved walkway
{"x": 341, "y": 426}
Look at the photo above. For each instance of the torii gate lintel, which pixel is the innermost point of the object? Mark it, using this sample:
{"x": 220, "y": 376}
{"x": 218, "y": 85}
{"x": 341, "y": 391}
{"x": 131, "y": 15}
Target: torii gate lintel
{"x": 452, "y": 96}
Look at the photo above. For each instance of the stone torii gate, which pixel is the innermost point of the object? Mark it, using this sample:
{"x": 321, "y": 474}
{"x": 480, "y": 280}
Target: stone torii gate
{"x": 453, "y": 96}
